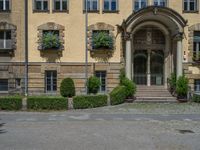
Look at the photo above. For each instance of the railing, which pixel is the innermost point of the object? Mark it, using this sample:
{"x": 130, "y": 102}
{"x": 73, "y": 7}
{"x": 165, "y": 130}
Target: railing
{"x": 140, "y": 79}
{"x": 5, "y": 44}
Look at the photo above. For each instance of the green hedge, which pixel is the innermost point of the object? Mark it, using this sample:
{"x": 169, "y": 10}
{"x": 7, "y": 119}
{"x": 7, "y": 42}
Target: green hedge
{"x": 118, "y": 95}
{"x": 10, "y": 103}
{"x": 47, "y": 103}
{"x": 90, "y": 101}
{"x": 196, "y": 98}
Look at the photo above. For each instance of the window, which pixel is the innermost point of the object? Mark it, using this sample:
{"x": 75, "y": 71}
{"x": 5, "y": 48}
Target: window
{"x": 197, "y": 85}
{"x": 139, "y": 4}
{"x": 160, "y": 3}
{"x": 60, "y": 5}
{"x": 92, "y": 5}
{"x": 110, "y": 5}
{"x": 51, "y": 81}
{"x": 102, "y": 76}
{"x": 17, "y": 83}
{"x": 3, "y": 84}
{"x": 196, "y": 44}
{"x": 190, "y": 5}
{"x": 41, "y": 5}
{"x": 4, "y": 5}
{"x": 5, "y": 39}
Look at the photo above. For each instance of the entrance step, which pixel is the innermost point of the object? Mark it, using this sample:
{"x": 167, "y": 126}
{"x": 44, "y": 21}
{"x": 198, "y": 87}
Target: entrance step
{"x": 153, "y": 94}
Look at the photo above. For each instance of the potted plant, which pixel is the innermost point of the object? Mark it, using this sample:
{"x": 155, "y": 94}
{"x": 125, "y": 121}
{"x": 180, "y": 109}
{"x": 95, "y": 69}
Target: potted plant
{"x": 182, "y": 89}
{"x": 102, "y": 40}
{"x": 130, "y": 89}
{"x": 50, "y": 41}
{"x": 172, "y": 84}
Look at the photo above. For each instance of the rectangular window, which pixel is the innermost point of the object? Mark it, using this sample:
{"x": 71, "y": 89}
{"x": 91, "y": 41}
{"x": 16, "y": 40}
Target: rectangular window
{"x": 5, "y": 5}
{"x": 5, "y": 39}
{"x": 196, "y": 48}
{"x": 92, "y": 5}
{"x": 102, "y": 77}
{"x": 51, "y": 81}
{"x": 197, "y": 85}
{"x": 190, "y": 5}
{"x": 139, "y": 4}
{"x": 41, "y": 5}
{"x": 17, "y": 83}
{"x": 110, "y": 5}
{"x": 60, "y": 5}
{"x": 3, "y": 84}
{"x": 160, "y": 3}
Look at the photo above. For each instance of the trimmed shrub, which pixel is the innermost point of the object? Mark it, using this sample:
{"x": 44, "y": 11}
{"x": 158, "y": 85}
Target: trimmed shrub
{"x": 182, "y": 87}
{"x": 47, "y": 103}
{"x": 122, "y": 75}
{"x": 130, "y": 87}
{"x": 67, "y": 88}
{"x": 118, "y": 95}
{"x": 90, "y": 101}
{"x": 196, "y": 98}
{"x": 10, "y": 103}
{"x": 93, "y": 84}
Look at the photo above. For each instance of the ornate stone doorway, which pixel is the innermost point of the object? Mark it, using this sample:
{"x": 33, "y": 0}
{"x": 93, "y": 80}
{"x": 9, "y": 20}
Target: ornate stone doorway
{"x": 148, "y": 64}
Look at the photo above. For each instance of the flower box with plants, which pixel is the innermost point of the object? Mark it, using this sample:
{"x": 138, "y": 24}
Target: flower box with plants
{"x": 196, "y": 58}
{"x": 51, "y": 41}
{"x": 102, "y": 41}
{"x": 182, "y": 89}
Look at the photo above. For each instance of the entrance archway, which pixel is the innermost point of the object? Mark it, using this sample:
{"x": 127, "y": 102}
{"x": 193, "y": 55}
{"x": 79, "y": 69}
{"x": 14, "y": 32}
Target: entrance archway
{"x": 148, "y": 56}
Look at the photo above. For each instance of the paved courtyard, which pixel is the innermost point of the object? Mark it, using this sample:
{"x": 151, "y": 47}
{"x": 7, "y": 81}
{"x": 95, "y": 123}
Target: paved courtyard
{"x": 123, "y": 127}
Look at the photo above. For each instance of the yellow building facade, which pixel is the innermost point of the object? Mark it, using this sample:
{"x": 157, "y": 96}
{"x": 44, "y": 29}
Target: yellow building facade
{"x": 150, "y": 39}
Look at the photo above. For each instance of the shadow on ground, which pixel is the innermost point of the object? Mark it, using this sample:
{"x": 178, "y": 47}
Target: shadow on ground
{"x": 2, "y": 130}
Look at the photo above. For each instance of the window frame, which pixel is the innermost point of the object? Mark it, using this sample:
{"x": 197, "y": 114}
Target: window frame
{"x": 101, "y": 78}
{"x": 52, "y": 90}
{"x": 7, "y": 86}
{"x": 42, "y": 10}
{"x": 5, "y": 40}
{"x": 110, "y": 7}
{"x": 61, "y": 4}
{"x": 197, "y": 86}
{"x": 134, "y": 10}
{"x": 4, "y": 5}
{"x": 196, "y": 9}
{"x": 196, "y": 48}
{"x": 159, "y": 1}
{"x": 91, "y": 10}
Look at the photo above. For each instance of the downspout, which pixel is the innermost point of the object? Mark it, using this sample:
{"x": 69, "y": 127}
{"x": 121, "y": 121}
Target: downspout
{"x": 26, "y": 47}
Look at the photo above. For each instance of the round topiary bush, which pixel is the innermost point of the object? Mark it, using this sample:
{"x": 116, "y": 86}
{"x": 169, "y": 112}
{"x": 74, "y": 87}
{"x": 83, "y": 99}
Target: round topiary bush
{"x": 130, "y": 87}
{"x": 93, "y": 84}
{"x": 67, "y": 88}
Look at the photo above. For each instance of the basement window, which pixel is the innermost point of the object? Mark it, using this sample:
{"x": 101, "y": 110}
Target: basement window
{"x": 3, "y": 85}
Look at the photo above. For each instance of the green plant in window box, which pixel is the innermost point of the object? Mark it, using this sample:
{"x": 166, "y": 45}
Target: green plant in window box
{"x": 195, "y": 58}
{"x": 50, "y": 41}
{"x": 102, "y": 40}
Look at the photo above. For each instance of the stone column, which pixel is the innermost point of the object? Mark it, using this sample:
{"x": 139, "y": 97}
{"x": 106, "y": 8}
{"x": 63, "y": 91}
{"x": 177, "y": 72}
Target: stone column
{"x": 179, "y": 56}
{"x": 128, "y": 58}
{"x": 149, "y": 68}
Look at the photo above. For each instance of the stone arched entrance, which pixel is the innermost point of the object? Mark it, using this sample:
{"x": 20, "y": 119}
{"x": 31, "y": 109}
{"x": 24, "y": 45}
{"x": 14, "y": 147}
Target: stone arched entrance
{"x": 153, "y": 45}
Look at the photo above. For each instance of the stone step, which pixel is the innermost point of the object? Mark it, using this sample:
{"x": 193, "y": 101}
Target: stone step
{"x": 156, "y": 99}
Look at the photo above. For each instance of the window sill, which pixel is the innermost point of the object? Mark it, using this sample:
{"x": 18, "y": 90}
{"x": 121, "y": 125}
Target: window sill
{"x": 41, "y": 11}
{"x": 111, "y": 11}
{"x": 91, "y": 11}
{"x": 3, "y": 92}
{"x": 60, "y": 11}
{"x": 188, "y": 11}
{"x": 5, "y": 11}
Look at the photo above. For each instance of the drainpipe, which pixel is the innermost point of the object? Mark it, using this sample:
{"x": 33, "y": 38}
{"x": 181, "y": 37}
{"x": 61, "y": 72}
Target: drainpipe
{"x": 86, "y": 46}
{"x": 26, "y": 47}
